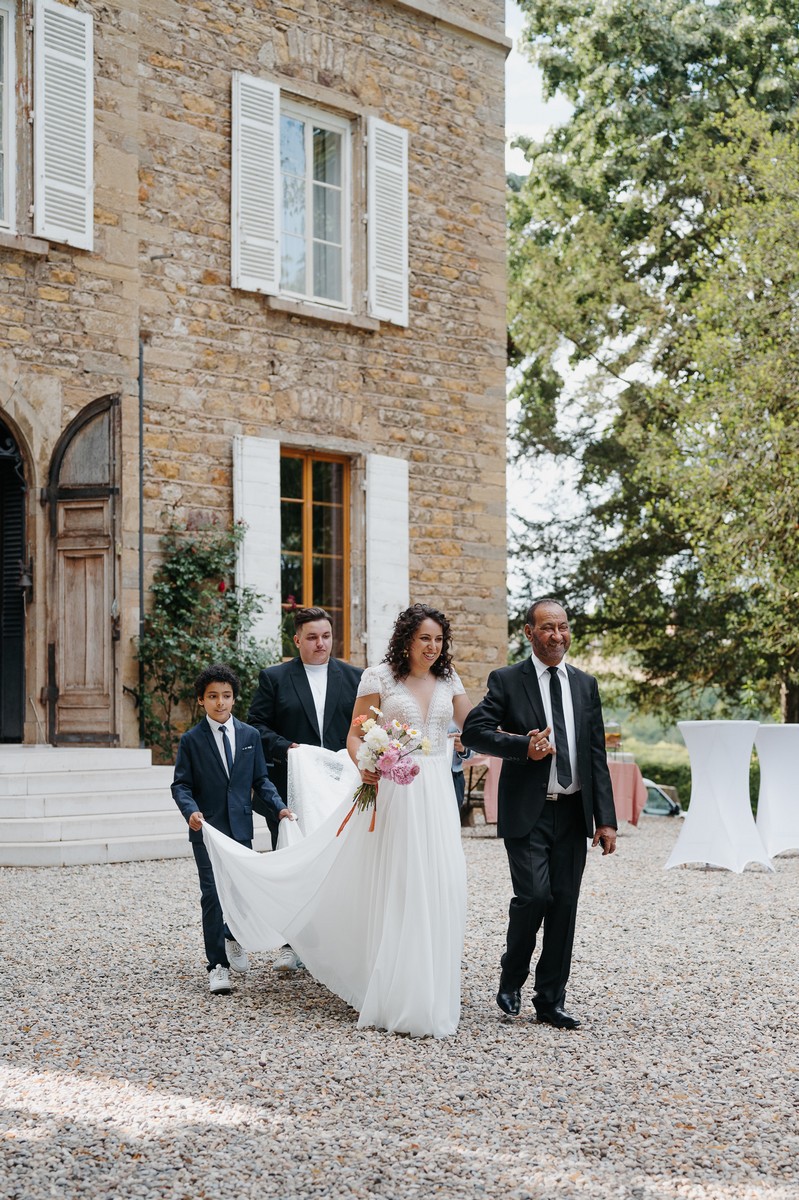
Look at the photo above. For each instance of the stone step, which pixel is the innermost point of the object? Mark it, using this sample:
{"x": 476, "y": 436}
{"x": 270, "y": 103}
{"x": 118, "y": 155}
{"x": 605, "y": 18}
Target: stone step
{"x": 91, "y": 851}
{"x": 77, "y": 804}
{"x": 17, "y": 760}
{"x": 92, "y": 827}
{"x": 127, "y": 780}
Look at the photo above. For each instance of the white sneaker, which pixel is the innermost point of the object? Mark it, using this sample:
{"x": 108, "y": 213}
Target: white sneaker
{"x": 219, "y": 981}
{"x": 286, "y": 960}
{"x": 236, "y": 956}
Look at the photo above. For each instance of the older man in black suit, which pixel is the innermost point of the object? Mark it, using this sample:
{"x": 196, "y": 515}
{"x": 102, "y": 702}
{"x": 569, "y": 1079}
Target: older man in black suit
{"x": 544, "y": 718}
{"x": 307, "y": 701}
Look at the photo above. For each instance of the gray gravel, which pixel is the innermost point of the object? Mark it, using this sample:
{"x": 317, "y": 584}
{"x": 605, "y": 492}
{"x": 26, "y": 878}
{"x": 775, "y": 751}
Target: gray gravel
{"x": 123, "y": 1078}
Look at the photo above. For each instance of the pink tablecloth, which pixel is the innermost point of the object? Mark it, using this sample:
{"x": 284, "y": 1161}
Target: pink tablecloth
{"x": 629, "y": 790}
{"x": 490, "y": 783}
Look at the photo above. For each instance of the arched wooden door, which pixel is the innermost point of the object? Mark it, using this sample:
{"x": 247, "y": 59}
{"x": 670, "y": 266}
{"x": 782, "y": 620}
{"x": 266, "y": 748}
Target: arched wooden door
{"x": 13, "y": 577}
{"x": 83, "y": 621}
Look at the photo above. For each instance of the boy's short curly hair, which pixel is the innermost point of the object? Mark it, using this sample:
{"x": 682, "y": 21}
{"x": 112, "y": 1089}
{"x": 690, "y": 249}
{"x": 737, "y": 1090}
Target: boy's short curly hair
{"x": 216, "y": 673}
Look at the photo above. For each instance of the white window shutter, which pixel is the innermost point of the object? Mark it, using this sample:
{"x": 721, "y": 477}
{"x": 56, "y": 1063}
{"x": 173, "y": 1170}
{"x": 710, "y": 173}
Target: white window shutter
{"x": 387, "y": 550}
{"x": 256, "y": 502}
{"x": 63, "y": 125}
{"x": 387, "y": 201}
{"x": 255, "y": 186}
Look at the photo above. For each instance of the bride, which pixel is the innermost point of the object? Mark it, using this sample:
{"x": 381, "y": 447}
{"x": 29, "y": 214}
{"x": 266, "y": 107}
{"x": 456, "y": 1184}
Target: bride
{"x": 377, "y": 916}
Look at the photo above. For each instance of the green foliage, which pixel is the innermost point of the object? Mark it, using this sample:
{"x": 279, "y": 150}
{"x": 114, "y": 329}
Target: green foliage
{"x": 653, "y": 247}
{"x": 198, "y": 617}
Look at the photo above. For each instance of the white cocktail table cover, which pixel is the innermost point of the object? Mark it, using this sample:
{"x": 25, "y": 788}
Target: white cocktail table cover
{"x": 719, "y": 828}
{"x": 778, "y": 800}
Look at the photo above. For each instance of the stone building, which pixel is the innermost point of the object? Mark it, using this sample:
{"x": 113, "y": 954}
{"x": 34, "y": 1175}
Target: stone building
{"x": 263, "y": 240}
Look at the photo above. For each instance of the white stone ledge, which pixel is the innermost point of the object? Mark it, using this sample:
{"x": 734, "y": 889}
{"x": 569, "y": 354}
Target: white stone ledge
{"x": 320, "y": 312}
{"x": 24, "y": 244}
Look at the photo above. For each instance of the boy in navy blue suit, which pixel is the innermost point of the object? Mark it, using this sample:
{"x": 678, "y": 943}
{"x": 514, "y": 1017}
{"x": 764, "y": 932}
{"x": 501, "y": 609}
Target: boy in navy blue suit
{"x": 220, "y": 763}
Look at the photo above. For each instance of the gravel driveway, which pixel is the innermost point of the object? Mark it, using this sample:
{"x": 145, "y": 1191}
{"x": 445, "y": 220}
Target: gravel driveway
{"x": 123, "y": 1078}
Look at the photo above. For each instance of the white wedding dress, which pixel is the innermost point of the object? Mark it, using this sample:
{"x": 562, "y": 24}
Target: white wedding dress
{"x": 377, "y": 917}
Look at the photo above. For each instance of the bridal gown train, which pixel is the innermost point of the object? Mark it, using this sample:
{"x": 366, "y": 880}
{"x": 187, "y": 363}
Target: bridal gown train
{"x": 378, "y": 917}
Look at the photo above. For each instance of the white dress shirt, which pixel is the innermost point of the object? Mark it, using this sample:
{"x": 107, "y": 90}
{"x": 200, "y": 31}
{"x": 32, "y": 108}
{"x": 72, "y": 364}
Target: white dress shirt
{"x": 544, "y": 681}
{"x": 317, "y": 681}
{"x": 230, "y": 729}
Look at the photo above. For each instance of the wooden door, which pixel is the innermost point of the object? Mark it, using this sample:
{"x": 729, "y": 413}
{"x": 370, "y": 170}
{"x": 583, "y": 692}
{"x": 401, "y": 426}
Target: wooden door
{"x": 83, "y": 612}
{"x": 84, "y": 645}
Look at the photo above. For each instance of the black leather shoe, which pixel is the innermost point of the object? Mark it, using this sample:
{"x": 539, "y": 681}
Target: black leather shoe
{"x": 555, "y": 1015}
{"x": 510, "y": 1002}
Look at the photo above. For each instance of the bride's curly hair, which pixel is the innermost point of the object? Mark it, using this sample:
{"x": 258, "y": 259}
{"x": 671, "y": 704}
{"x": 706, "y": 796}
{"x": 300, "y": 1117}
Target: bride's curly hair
{"x": 405, "y": 626}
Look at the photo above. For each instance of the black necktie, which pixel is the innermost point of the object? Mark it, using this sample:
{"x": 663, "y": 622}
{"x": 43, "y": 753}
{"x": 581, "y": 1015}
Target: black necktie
{"x": 562, "y": 765}
{"x": 228, "y": 754}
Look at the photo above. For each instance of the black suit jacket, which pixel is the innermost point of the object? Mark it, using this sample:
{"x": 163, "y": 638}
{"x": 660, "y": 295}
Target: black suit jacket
{"x": 283, "y": 711}
{"x": 512, "y": 706}
{"x": 201, "y": 784}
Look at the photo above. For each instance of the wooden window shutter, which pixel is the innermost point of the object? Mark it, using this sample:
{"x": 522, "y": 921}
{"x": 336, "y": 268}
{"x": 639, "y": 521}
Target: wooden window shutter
{"x": 387, "y": 549}
{"x": 255, "y": 189}
{"x": 387, "y": 200}
{"x": 256, "y": 502}
{"x": 63, "y": 125}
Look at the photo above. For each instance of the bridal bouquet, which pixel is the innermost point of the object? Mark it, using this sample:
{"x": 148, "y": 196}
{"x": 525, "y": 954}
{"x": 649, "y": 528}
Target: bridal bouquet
{"x": 385, "y": 748}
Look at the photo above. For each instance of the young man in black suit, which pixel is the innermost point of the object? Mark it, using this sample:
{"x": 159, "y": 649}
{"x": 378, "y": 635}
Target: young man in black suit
{"x": 220, "y": 763}
{"x": 307, "y": 701}
{"x": 544, "y": 718}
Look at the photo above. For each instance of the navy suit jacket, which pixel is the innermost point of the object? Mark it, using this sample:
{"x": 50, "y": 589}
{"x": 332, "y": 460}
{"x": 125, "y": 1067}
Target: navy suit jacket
{"x": 283, "y": 711}
{"x": 511, "y": 707}
{"x": 201, "y": 783}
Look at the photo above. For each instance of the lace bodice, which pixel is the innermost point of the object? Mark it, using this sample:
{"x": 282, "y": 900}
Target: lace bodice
{"x": 398, "y": 703}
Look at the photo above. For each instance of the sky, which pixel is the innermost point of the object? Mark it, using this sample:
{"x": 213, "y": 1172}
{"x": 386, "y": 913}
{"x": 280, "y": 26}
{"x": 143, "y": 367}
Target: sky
{"x": 526, "y": 111}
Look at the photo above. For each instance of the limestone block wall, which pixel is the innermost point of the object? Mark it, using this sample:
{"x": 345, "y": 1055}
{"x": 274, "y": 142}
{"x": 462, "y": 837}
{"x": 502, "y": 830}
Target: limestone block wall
{"x": 221, "y": 362}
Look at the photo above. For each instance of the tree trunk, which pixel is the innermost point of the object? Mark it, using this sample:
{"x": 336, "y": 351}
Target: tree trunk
{"x": 789, "y": 702}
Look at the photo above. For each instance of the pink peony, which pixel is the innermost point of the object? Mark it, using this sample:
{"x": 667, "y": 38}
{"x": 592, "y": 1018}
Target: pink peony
{"x": 405, "y": 771}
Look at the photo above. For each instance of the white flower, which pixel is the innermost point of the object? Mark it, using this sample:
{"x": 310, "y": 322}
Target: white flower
{"x": 396, "y": 725}
{"x": 368, "y": 724}
{"x": 365, "y": 758}
{"x": 376, "y": 739}
{"x": 424, "y": 745}
{"x": 413, "y": 733}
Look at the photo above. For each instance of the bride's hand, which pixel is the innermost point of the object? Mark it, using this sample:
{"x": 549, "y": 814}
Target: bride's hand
{"x": 370, "y": 777}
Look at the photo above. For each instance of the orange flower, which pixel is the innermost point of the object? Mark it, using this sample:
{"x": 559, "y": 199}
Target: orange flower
{"x": 359, "y": 720}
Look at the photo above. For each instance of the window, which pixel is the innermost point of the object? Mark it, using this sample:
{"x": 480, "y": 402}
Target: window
{"x": 315, "y": 170}
{"x": 314, "y": 541}
{"x": 293, "y": 203}
{"x": 7, "y": 115}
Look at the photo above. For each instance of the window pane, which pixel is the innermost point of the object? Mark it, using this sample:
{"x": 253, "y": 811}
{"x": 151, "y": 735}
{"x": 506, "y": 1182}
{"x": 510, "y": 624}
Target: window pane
{"x": 291, "y": 526}
{"x": 292, "y": 146}
{"x": 327, "y": 529}
{"x": 328, "y": 481}
{"x": 293, "y": 205}
{"x": 291, "y": 579}
{"x": 326, "y": 214}
{"x": 291, "y": 477}
{"x": 328, "y": 589}
{"x": 327, "y": 271}
{"x": 327, "y": 156}
{"x": 292, "y": 264}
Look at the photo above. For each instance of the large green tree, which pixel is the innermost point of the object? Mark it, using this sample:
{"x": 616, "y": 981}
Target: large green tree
{"x": 652, "y": 245}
